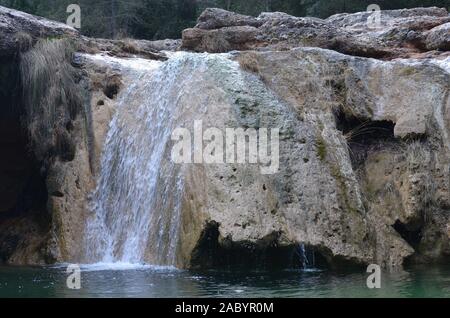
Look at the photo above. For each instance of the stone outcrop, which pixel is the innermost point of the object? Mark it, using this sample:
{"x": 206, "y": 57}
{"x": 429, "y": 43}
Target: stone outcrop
{"x": 364, "y": 117}
{"x": 363, "y": 171}
{"x": 212, "y": 19}
{"x": 438, "y": 38}
{"x": 129, "y": 47}
{"x": 400, "y": 33}
{"x": 397, "y": 145}
{"x": 19, "y": 30}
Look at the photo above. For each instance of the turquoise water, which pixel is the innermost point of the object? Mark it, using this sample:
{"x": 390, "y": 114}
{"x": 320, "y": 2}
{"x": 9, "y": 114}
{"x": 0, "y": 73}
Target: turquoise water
{"x": 147, "y": 281}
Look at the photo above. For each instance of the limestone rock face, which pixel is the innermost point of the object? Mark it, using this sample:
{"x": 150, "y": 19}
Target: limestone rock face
{"x": 18, "y": 30}
{"x": 439, "y": 38}
{"x": 396, "y": 33}
{"x": 221, "y": 40}
{"x": 255, "y": 211}
{"x": 350, "y": 186}
{"x": 378, "y": 168}
{"x": 214, "y": 18}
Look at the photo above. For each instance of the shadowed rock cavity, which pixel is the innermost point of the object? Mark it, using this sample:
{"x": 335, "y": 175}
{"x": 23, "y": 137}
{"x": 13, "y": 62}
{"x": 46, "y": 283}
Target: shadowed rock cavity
{"x": 24, "y": 219}
{"x": 364, "y": 135}
{"x": 215, "y": 252}
{"x": 411, "y": 234}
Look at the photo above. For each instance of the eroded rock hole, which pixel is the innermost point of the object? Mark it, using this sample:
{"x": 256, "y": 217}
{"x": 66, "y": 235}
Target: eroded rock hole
{"x": 363, "y": 135}
{"x": 215, "y": 252}
{"x": 112, "y": 86}
{"x": 412, "y": 235}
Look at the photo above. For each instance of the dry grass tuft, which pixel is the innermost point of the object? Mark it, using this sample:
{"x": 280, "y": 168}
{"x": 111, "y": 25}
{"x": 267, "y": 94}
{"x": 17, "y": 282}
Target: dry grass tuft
{"x": 417, "y": 155}
{"x": 50, "y": 95}
{"x": 128, "y": 46}
{"x": 24, "y": 40}
{"x": 249, "y": 62}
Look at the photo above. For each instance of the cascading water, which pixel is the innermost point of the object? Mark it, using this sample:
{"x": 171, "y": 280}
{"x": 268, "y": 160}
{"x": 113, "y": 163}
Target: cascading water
{"x": 138, "y": 200}
{"x": 136, "y": 205}
{"x": 306, "y": 257}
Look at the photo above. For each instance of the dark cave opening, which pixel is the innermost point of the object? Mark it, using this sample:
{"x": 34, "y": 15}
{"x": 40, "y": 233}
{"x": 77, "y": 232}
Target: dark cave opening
{"x": 212, "y": 252}
{"x": 363, "y": 135}
{"x": 23, "y": 191}
{"x": 412, "y": 235}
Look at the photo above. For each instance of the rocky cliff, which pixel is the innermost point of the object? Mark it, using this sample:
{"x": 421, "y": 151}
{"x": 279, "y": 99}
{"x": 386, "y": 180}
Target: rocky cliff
{"x": 363, "y": 113}
{"x": 399, "y": 33}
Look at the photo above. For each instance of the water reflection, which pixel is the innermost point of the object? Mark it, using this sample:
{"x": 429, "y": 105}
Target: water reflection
{"x": 166, "y": 282}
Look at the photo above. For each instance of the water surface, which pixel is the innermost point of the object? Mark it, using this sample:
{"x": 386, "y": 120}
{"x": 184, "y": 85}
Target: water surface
{"x": 121, "y": 280}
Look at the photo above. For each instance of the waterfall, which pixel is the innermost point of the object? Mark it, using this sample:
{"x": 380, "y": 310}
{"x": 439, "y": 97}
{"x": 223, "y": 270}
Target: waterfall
{"x": 306, "y": 256}
{"x": 136, "y": 205}
{"x": 303, "y": 256}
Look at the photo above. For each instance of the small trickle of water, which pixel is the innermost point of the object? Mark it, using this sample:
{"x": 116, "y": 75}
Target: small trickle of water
{"x": 306, "y": 256}
{"x": 303, "y": 256}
